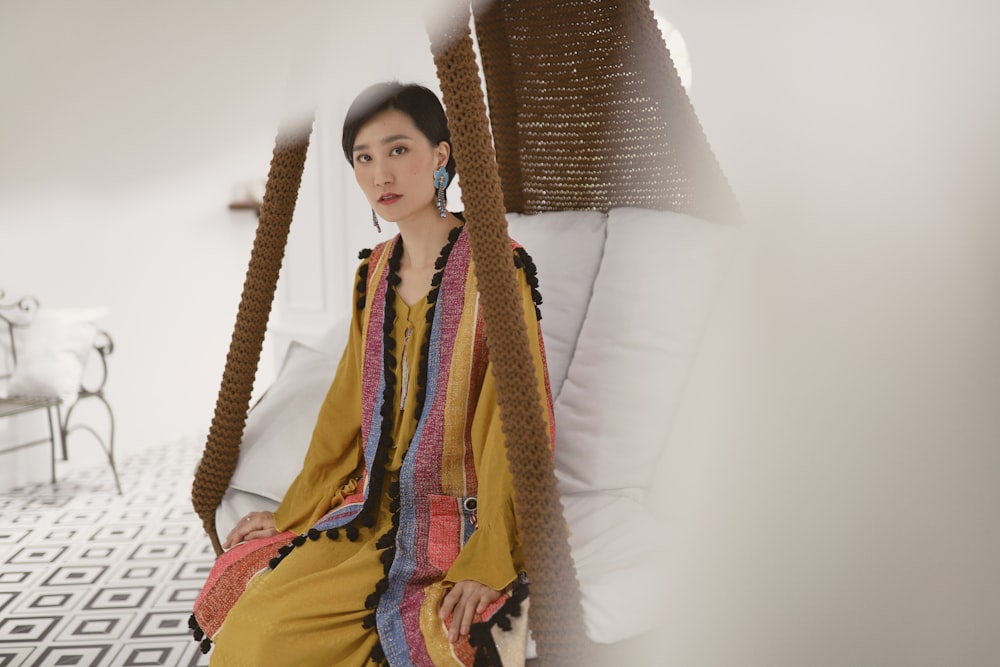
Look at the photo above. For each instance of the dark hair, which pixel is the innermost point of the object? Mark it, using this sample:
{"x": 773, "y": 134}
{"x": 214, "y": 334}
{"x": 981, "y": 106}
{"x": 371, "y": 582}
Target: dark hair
{"x": 416, "y": 101}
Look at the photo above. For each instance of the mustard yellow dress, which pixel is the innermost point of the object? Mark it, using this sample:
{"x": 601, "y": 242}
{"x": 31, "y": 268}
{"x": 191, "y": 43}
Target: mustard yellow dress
{"x": 310, "y": 610}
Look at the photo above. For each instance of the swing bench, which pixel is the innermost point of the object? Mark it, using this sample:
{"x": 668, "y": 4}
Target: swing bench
{"x": 593, "y": 157}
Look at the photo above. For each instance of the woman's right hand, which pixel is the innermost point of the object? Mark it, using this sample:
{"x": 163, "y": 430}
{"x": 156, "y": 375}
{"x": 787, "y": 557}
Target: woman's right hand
{"x": 251, "y": 527}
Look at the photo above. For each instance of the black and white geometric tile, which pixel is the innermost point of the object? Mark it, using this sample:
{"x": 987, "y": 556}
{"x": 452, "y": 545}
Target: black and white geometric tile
{"x": 89, "y": 578}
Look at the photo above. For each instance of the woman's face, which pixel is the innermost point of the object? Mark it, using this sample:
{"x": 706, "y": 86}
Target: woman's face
{"x": 394, "y": 164}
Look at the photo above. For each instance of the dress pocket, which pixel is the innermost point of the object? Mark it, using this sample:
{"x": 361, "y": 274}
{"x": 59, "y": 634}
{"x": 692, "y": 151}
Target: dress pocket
{"x": 452, "y": 520}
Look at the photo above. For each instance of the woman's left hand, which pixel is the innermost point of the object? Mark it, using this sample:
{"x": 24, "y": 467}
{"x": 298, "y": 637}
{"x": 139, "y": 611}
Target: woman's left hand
{"x": 466, "y": 599}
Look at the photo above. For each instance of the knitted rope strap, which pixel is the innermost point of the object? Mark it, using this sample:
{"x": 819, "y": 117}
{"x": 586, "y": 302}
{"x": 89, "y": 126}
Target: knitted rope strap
{"x": 222, "y": 447}
{"x": 556, "y": 617}
{"x": 587, "y": 111}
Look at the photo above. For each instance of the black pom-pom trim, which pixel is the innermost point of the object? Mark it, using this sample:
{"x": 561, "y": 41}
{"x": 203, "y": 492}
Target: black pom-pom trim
{"x": 368, "y": 622}
{"x": 365, "y": 253}
{"x": 377, "y": 655}
{"x": 299, "y": 540}
{"x": 314, "y": 534}
{"x": 387, "y": 540}
{"x": 273, "y": 563}
{"x": 480, "y": 634}
{"x": 523, "y": 260}
{"x": 199, "y": 634}
{"x": 333, "y": 533}
{"x": 352, "y": 533}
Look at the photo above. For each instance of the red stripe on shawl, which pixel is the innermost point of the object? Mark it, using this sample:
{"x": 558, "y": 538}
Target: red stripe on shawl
{"x": 229, "y": 577}
{"x": 445, "y": 524}
{"x": 371, "y": 373}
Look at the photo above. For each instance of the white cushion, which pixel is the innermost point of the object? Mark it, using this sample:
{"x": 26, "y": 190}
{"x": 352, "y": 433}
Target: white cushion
{"x": 279, "y": 427}
{"x": 566, "y": 247}
{"x": 650, "y": 301}
{"x": 52, "y": 352}
{"x": 619, "y": 560}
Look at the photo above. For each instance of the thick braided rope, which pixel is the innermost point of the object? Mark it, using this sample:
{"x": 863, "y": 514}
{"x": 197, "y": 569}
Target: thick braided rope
{"x": 222, "y": 447}
{"x": 556, "y": 617}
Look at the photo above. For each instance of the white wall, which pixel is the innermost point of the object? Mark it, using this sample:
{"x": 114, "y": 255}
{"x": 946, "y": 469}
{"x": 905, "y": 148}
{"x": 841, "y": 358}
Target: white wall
{"x": 833, "y": 479}
{"x": 124, "y": 132}
{"x": 167, "y": 258}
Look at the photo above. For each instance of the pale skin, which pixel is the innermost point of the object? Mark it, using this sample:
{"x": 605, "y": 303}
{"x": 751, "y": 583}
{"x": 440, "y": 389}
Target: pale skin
{"x": 393, "y": 163}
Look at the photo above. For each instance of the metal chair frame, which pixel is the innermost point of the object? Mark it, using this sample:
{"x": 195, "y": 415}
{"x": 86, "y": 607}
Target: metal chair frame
{"x": 19, "y": 314}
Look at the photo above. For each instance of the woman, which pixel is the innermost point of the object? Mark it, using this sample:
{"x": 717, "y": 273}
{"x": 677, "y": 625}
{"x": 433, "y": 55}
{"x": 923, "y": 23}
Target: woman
{"x": 398, "y": 539}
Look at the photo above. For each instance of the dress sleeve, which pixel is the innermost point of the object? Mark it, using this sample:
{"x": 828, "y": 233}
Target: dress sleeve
{"x": 492, "y": 555}
{"x": 334, "y": 455}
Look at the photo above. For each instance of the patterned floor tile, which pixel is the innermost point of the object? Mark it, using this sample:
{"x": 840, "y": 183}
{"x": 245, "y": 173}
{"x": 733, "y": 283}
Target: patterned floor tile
{"x": 157, "y": 551}
{"x": 83, "y": 655}
{"x": 157, "y": 653}
{"x": 164, "y": 624}
{"x": 116, "y": 533}
{"x": 13, "y": 536}
{"x": 180, "y": 595}
{"x": 49, "y": 601}
{"x": 37, "y": 554}
{"x": 75, "y": 575}
{"x": 6, "y": 598}
{"x": 90, "y": 578}
{"x": 19, "y": 576}
{"x": 26, "y": 628}
{"x": 119, "y": 598}
{"x": 99, "y": 627}
{"x": 138, "y": 573}
{"x": 15, "y": 656}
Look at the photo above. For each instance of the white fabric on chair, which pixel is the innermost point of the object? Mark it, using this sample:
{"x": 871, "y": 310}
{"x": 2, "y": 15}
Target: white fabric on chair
{"x": 645, "y": 318}
{"x": 566, "y": 246}
{"x": 280, "y": 425}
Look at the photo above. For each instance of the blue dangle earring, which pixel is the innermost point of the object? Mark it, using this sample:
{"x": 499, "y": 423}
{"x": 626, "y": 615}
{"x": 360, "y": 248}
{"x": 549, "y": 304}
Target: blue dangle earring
{"x": 441, "y": 182}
